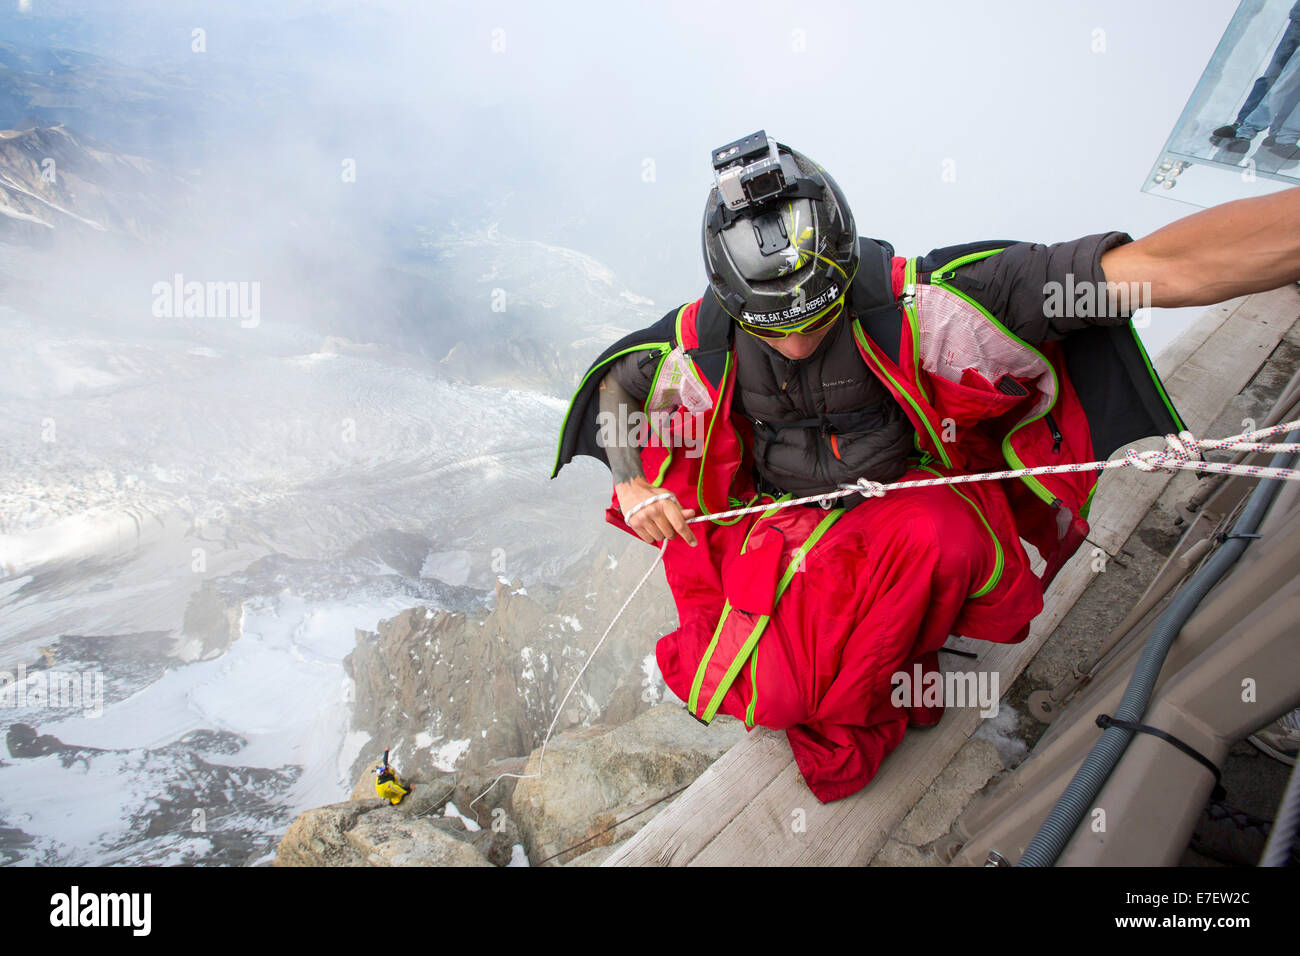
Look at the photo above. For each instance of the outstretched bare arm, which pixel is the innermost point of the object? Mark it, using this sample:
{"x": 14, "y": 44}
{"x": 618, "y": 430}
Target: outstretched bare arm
{"x": 1236, "y": 248}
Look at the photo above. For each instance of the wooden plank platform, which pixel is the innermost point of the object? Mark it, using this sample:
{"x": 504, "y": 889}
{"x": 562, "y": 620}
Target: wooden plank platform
{"x": 752, "y": 806}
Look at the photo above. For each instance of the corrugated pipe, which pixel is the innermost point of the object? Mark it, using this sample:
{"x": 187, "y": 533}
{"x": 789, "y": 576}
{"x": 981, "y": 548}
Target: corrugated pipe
{"x": 1079, "y": 796}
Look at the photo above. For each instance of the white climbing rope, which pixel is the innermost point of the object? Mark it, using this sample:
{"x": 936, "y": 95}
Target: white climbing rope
{"x": 590, "y": 657}
{"x": 1182, "y": 452}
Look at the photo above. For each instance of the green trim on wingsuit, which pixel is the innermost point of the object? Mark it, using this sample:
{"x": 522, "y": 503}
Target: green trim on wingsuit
{"x": 668, "y": 458}
{"x": 665, "y": 347}
{"x": 1009, "y": 453}
{"x": 704, "y": 454}
{"x": 753, "y": 657}
{"x": 645, "y": 409}
{"x": 950, "y": 270}
{"x": 708, "y": 435}
{"x": 693, "y": 700}
{"x": 753, "y": 686}
{"x": 941, "y": 277}
{"x": 1087, "y": 502}
{"x": 913, "y": 324}
{"x": 654, "y": 381}
{"x": 1155, "y": 379}
{"x": 996, "y": 575}
{"x": 865, "y": 344}
{"x": 751, "y": 642}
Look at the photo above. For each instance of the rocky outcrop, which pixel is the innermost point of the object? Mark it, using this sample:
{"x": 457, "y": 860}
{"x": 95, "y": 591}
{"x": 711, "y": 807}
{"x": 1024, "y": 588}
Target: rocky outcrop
{"x": 592, "y": 780}
{"x": 54, "y": 180}
{"x": 449, "y": 692}
{"x": 597, "y": 788}
{"x": 211, "y": 625}
{"x": 366, "y": 833}
{"x": 459, "y": 700}
{"x": 425, "y": 829}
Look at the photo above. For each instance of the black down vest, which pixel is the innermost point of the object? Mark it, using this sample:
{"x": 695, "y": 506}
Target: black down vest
{"x": 821, "y": 420}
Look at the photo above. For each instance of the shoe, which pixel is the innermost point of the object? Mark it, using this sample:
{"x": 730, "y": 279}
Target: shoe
{"x": 1287, "y": 154}
{"x": 1225, "y": 137}
{"x": 1280, "y": 739}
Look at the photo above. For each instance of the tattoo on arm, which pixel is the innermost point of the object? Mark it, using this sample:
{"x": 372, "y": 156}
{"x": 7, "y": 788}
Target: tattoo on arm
{"x": 624, "y": 455}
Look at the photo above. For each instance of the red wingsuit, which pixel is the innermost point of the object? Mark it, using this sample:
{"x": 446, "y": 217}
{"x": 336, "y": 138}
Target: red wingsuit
{"x": 885, "y": 587}
{"x": 882, "y": 589}
{"x": 797, "y": 618}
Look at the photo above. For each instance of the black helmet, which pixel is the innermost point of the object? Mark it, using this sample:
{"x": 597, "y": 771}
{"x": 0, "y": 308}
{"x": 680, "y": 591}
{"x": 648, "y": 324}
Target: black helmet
{"x": 779, "y": 239}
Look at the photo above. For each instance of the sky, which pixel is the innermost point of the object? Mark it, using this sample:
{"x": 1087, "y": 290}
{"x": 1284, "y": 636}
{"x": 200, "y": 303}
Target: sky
{"x": 588, "y": 124}
{"x": 944, "y": 121}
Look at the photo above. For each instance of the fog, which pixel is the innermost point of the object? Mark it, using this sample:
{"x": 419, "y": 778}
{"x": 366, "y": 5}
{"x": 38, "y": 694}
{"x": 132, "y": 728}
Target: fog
{"x": 586, "y": 126}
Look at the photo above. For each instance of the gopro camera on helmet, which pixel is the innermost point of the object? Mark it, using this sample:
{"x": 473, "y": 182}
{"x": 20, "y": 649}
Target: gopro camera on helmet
{"x": 749, "y": 171}
{"x": 779, "y": 241}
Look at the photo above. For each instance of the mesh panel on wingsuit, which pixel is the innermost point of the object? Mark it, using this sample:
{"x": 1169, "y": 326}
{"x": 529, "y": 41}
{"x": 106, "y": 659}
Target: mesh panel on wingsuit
{"x": 955, "y": 336}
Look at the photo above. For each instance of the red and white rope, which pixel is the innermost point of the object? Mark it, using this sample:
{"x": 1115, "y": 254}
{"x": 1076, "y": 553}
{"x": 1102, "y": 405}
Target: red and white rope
{"x": 1182, "y": 452}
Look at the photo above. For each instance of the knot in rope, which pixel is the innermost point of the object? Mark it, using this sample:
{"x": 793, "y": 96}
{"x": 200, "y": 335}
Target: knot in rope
{"x": 1179, "y": 449}
{"x": 1184, "y": 446}
{"x": 868, "y": 489}
{"x": 1139, "y": 461}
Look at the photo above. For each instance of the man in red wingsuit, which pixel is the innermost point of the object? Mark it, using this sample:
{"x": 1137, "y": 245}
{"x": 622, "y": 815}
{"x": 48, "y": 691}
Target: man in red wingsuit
{"x": 818, "y": 358}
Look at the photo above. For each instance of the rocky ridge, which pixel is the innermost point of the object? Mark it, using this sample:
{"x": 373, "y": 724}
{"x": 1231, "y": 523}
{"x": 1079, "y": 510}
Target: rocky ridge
{"x": 460, "y": 699}
{"x": 448, "y": 690}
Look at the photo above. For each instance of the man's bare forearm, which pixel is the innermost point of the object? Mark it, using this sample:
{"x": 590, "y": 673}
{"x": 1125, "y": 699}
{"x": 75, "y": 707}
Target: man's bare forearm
{"x": 1233, "y": 249}
{"x": 623, "y": 453}
{"x": 664, "y": 517}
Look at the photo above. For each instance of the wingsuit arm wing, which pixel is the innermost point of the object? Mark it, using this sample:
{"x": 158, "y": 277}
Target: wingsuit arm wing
{"x": 580, "y": 433}
{"x": 1042, "y": 293}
